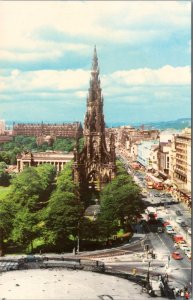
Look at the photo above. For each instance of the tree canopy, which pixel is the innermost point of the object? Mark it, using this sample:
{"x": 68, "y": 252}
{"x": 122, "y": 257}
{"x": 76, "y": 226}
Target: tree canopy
{"x": 64, "y": 210}
{"x": 120, "y": 203}
{"x": 4, "y": 176}
{"x": 30, "y": 192}
{"x": 9, "y": 150}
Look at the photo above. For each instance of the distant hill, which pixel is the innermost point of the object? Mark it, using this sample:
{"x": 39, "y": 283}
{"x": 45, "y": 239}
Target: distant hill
{"x": 175, "y": 124}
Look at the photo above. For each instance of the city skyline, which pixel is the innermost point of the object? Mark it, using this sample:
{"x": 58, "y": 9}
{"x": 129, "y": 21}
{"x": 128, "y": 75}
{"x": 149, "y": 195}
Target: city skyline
{"x": 46, "y": 51}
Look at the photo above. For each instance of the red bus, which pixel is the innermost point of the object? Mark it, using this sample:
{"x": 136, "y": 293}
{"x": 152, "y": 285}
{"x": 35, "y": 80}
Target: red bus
{"x": 158, "y": 185}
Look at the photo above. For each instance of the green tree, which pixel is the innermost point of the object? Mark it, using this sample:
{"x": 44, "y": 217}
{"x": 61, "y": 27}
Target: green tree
{"x": 30, "y": 191}
{"x": 7, "y": 213}
{"x": 120, "y": 204}
{"x": 64, "y": 144}
{"x": 47, "y": 175}
{"x": 4, "y": 176}
{"x": 27, "y": 185}
{"x": 25, "y": 228}
{"x": 64, "y": 211}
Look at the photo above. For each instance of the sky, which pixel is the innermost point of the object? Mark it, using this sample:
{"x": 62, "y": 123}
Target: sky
{"x": 144, "y": 53}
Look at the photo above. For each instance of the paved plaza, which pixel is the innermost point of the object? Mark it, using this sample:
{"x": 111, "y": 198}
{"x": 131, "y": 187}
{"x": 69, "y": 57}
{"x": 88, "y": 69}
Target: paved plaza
{"x": 66, "y": 284}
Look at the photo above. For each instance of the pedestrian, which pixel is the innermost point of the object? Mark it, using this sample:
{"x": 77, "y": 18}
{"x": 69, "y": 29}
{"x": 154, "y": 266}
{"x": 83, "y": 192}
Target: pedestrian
{"x": 187, "y": 296}
{"x": 181, "y": 293}
{"x": 176, "y": 291}
{"x": 166, "y": 277}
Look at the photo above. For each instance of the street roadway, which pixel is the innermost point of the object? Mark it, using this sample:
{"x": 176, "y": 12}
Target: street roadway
{"x": 162, "y": 244}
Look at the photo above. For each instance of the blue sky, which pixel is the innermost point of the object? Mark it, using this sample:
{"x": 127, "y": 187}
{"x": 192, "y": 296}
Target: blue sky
{"x": 144, "y": 51}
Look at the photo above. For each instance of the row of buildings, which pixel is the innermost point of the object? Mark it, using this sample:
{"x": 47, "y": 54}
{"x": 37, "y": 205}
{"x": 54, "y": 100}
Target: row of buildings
{"x": 42, "y": 131}
{"x": 166, "y": 154}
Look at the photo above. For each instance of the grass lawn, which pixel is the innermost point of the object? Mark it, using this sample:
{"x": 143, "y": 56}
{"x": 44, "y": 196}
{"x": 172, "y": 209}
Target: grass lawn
{"x": 4, "y": 191}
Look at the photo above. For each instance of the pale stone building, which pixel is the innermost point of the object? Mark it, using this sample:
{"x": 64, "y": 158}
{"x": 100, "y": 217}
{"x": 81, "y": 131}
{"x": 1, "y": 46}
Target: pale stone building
{"x": 34, "y": 159}
{"x": 2, "y": 127}
{"x": 143, "y": 152}
{"x": 182, "y": 167}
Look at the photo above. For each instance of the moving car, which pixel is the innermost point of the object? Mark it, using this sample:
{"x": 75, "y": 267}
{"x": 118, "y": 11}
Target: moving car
{"x": 178, "y": 213}
{"x": 183, "y": 224}
{"x": 189, "y": 254}
{"x": 184, "y": 247}
{"x": 170, "y": 231}
{"x": 156, "y": 195}
{"x": 176, "y": 255}
{"x": 179, "y": 220}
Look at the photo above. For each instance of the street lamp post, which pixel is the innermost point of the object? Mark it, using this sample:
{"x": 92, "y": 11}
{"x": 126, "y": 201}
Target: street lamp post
{"x": 149, "y": 264}
{"x": 168, "y": 261}
{"x": 1, "y": 237}
{"x": 78, "y": 238}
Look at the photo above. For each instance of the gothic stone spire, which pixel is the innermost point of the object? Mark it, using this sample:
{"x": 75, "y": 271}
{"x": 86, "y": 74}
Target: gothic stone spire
{"x": 95, "y": 161}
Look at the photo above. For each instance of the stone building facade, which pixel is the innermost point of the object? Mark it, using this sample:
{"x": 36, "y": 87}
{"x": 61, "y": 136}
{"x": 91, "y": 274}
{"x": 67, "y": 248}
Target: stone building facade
{"x": 73, "y": 130}
{"x": 94, "y": 165}
{"x": 2, "y": 127}
{"x": 182, "y": 160}
{"x": 34, "y": 159}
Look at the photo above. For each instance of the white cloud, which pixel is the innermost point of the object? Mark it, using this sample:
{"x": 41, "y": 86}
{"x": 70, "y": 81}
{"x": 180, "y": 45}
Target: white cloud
{"x": 81, "y": 94}
{"x": 44, "y": 80}
{"x": 117, "y": 21}
{"x": 123, "y": 83}
{"x": 166, "y": 75}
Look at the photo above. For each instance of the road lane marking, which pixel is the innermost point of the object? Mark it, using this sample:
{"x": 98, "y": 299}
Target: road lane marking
{"x": 161, "y": 240}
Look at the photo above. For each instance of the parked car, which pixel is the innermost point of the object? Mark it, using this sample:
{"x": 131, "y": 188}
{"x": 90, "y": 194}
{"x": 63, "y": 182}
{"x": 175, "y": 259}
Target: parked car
{"x": 189, "y": 230}
{"x": 166, "y": 205}
{"x": 164, "y": 200}
{"x": 187, "y": 251}
{"x": 176, "y": 255}
{"x": 170, "y": 231}
{"x": 184, "y": 247}
{"x": 168, "y": 195}
{"x": 178, "y": 213}
{"x": 181, "y": 242}
{"x": 156, "y": 195}
{"x": 166, "y": 223}
{"x": 178, "y": 238}
{"x": 176, "y": 245}
{"x": 179, "y": 220}
{"x": 169, "y": 226}
{"x": 183, "y": 224}
{"x": 162, "y": 195}
{"x": 189, "y": 254}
